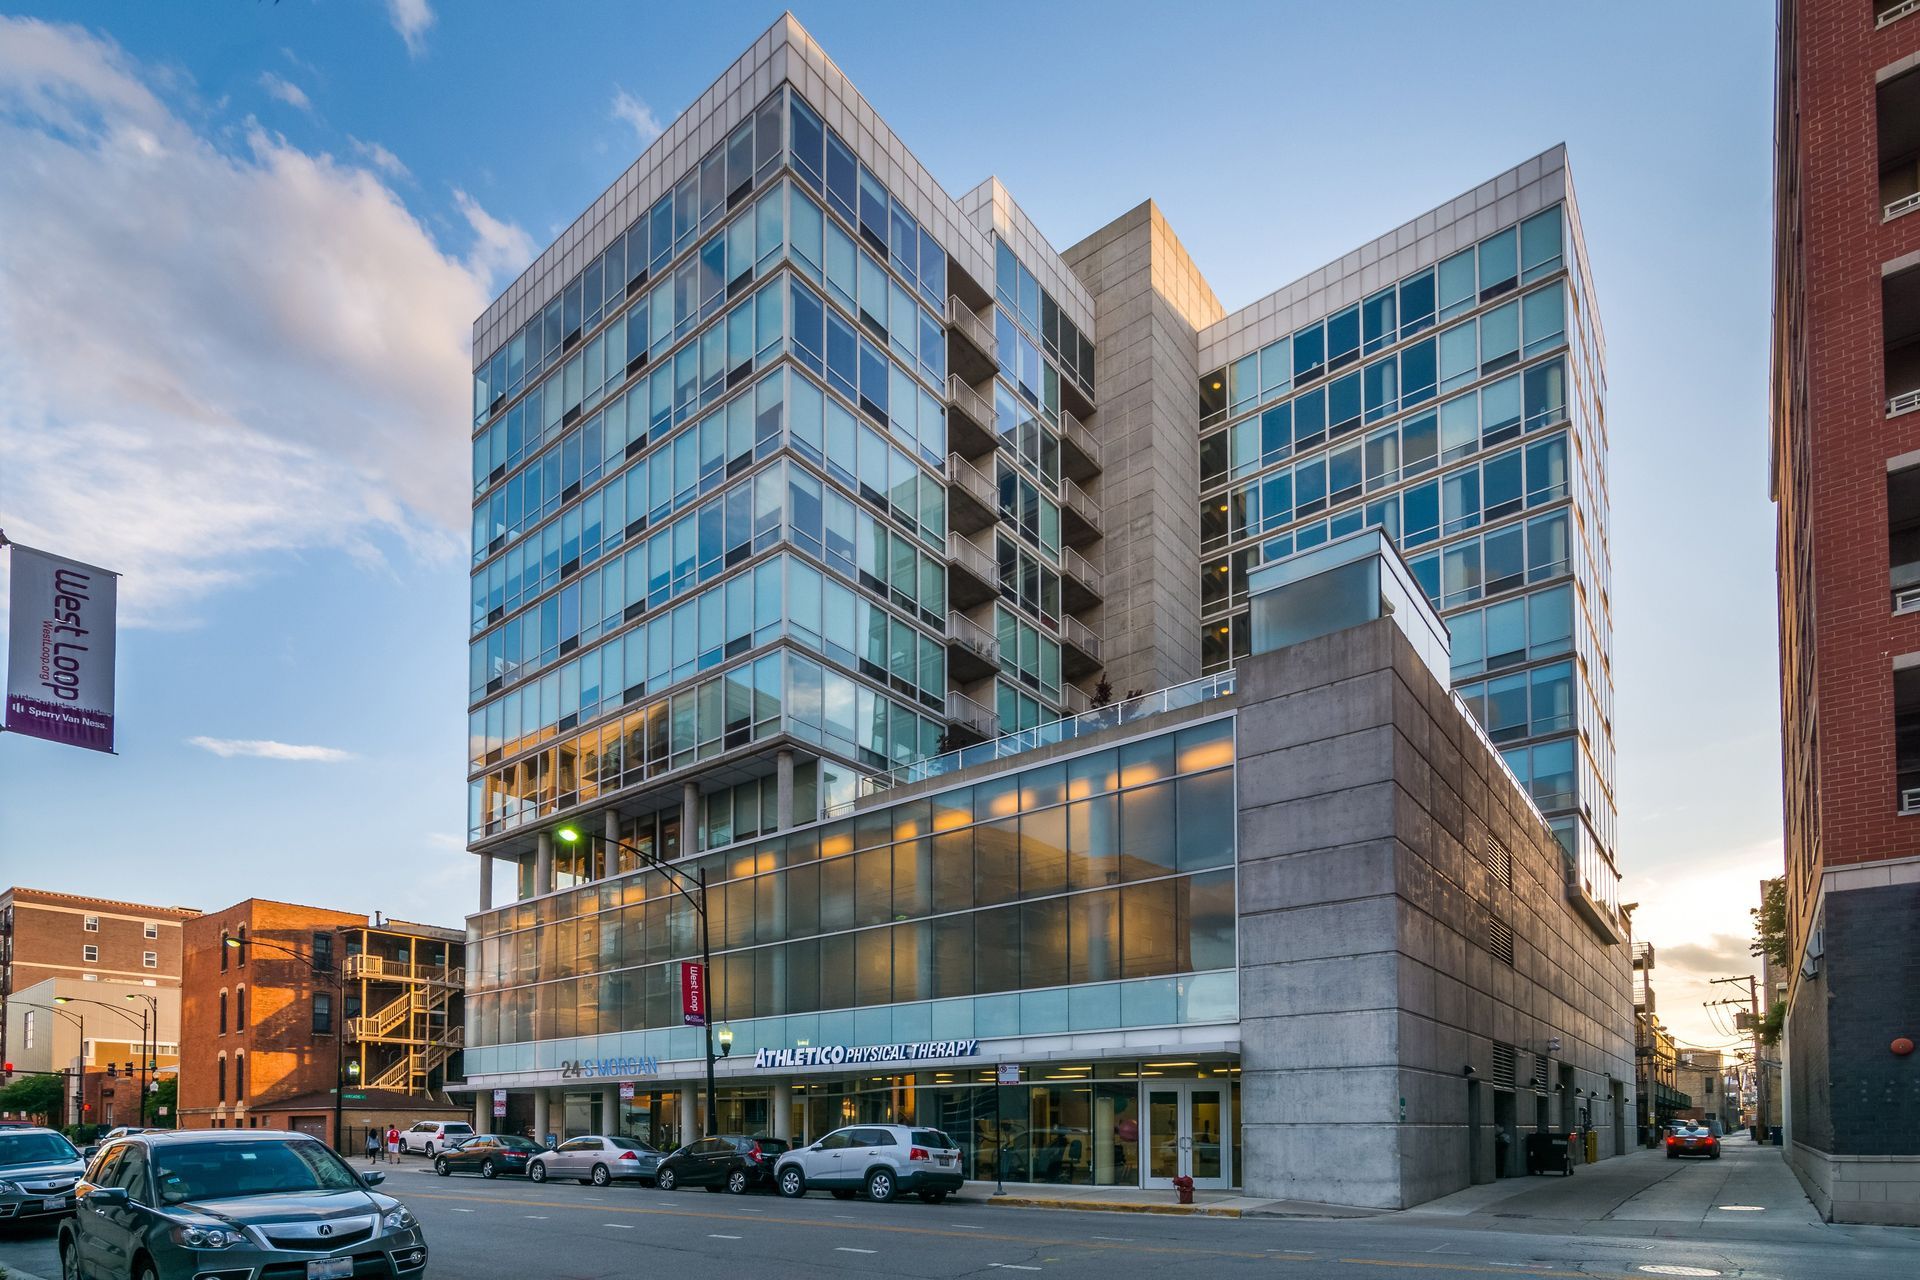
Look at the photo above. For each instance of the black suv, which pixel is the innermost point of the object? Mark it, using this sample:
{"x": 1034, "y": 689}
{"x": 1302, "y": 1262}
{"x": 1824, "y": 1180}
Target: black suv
{"x": 732, "y": 1162}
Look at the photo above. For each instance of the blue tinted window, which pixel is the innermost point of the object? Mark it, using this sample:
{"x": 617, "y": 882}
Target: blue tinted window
{"x": 1343, "y": 338}
{"x": 1309, "y": 353}
{"x": 1416, "y": 304}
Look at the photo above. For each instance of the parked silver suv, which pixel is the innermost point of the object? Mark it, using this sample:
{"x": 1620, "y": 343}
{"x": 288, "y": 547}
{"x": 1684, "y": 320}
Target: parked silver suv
{"x": 884, "y": 1160}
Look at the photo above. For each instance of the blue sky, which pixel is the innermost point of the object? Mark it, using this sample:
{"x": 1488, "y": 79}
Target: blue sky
{"x": 241, "y": 246}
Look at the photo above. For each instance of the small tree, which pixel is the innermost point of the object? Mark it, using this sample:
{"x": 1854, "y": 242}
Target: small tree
{"x": 166, "y": 1095}
{"x": 1771, "y": 1024}
{"x": 1102, "y": 692}
{"x": 1770, "y": 923}
{"x": 37, "y": 1095}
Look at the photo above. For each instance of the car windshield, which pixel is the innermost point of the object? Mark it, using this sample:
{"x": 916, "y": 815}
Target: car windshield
{"x": 630, "y": 1144}
{"x": 35, "y": 1148}
{"x": 220, "y": 1170}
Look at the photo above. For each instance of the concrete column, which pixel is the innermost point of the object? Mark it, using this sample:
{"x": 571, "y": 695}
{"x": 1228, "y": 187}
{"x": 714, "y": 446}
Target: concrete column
{"x": 782, "y": 1108}
{"x": 783, "y": 788}
{"x": 486, "y": 882}
{"x": 543, "y": 864}
{"x": 689, "y": 1112}
{"x": 610, "y": 1109}
{"x": 483, "y": 1111}
{"x": 611, "y": 829}
{"x": 540, "y": 1118}
{"x": 689, "y": 819}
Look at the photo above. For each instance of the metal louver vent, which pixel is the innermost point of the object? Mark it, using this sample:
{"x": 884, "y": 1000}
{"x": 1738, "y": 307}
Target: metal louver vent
{"x": 1503, "y": 1064}
{"x": 1500, "y": 941}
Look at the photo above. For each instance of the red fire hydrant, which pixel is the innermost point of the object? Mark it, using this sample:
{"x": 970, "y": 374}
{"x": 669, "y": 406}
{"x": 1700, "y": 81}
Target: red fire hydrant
{"x": 1183, "y": 1187}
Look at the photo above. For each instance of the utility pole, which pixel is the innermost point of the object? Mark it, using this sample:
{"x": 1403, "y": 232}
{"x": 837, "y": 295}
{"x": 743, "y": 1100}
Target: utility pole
{"x": 1759, "y": 1072}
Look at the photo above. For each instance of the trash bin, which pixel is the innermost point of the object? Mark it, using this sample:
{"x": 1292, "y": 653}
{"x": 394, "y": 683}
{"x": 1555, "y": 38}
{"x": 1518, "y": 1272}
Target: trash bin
{"x": 1593, "y": 1146}
{"x": 1549, "y": 1153}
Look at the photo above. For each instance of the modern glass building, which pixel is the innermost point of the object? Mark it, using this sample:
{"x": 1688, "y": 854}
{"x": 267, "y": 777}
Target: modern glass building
{"x": 793, "y": 473}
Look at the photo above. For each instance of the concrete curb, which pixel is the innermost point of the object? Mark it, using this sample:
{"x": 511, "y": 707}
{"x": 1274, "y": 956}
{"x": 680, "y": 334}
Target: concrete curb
{"x": 1108, "y": 1206}
{"x": 15, "y": 1273}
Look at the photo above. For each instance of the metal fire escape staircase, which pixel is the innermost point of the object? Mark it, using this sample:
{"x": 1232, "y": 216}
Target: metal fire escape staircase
{"x": 416, "y": 1022}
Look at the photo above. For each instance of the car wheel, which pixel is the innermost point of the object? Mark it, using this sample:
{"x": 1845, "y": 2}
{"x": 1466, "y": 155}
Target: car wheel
{"x": 537, "y": 1171}
{"x": 69, "y": 1261}
{"x": 737, "y": 1182}
{"x": 666, "y": 1180}
{"x": 440, "y": 1167}
{"x": 600, "y": 1175}
{"x": 486, "y": 1169}
{"x": 429, "y": 1151}
{"x": 793, "y": 1183}
{"x": 933, "y": 1197}
{"x": 146, "y": 1272}
{"x": 880, "y": 1186}
{"x": 843, "y": 1195}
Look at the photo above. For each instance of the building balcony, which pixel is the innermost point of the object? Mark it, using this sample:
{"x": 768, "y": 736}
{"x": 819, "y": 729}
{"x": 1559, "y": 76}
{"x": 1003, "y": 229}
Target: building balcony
{"x": 1080, "y": 453}
{"x": 973, "y": 652}
{"x": 1080, "y": 516}
{"x": 1081, "y": 585}
{"x": 379, "y": 969}
{"x": 970, "y": 721}
{"x": 970, "y": 345}
{"x": 972, "y": 576}
{"x": 1079, "y": 649}
{"x": 970, "y": 423}
{"x": 1078, "y": 700}
{"x": 973, "y": 501}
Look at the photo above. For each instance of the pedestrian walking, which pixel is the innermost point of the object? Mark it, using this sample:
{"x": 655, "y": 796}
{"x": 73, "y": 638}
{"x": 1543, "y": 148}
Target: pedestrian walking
{"x": 373, "y": 1145}
{"x": 393, "y": 1146}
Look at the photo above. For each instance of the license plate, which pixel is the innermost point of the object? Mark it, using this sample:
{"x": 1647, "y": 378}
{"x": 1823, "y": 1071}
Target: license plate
{"x": 54, "y": 1202}
{"x": 329, "y": 1268}
{"x": 946, "y": 1159}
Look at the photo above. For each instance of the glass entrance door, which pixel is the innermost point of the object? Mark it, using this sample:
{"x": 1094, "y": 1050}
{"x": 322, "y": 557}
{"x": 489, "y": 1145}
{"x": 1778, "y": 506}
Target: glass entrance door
{"x": 1188, "y": 1132}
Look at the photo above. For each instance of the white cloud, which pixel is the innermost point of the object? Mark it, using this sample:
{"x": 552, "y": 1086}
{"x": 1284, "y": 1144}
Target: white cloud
{"x": 213, "y": 353}
{"x": 411, "y": 18}
{"x": 646, "y": 125}
{"x": 268, "y": 749}
{"x": 284, "y": 90}
{"x": 380, "y": 158}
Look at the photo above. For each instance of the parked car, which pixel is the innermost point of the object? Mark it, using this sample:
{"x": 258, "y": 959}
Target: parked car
{"x": 1692, "y": 1140}
{"x": 884, "y": 1160}
{"x": 596, "y": 1158}
{"x": 246, "y": 1202}
{"x": 38, "y": 1169}
{"x": 430, "y": 1136}
{"x": 724, "y": 1162}
{"x": 488, "y": 1154}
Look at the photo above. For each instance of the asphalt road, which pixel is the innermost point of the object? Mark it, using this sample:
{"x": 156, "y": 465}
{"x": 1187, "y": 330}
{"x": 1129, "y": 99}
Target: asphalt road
{"x": 570, "y": 1232}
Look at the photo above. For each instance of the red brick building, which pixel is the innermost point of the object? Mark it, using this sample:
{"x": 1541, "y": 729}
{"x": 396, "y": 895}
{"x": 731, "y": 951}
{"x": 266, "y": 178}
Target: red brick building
{"x": 79, "y": 948}
{"x": 1846, "y": 481}
{"x": 281, "y": 997}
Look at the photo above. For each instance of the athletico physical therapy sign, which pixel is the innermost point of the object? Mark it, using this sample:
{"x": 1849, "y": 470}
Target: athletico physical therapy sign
{"x": 60, "y": 650}
{"x": 834, "y": 1055}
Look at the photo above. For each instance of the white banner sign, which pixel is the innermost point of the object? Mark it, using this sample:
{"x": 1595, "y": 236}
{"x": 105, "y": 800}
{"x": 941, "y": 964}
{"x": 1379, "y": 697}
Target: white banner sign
{"x": 60, "y": 651}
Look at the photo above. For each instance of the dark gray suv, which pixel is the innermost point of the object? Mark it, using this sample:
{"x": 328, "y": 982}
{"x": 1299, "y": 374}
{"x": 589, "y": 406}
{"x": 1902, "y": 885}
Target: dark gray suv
{"x": 233, "y": 1204}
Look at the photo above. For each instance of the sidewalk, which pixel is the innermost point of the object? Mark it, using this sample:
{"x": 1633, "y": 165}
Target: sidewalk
{"x": 1206, "y": 1204}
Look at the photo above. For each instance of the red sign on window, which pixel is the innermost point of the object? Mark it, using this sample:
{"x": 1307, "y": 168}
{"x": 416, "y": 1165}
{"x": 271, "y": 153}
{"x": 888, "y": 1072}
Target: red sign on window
{"x": 693, "y": 994}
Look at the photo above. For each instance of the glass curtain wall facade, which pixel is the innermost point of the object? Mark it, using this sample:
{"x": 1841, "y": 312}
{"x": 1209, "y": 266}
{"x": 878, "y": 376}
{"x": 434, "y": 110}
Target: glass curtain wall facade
{"x": 729, "y": 435}
{"x": 1461, "y": 410}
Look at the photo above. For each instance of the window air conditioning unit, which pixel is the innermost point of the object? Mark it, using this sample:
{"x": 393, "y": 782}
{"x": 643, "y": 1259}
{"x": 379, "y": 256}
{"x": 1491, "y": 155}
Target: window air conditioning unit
{"x": 1906, "y": 600}
{"x": 1910, "y": 800}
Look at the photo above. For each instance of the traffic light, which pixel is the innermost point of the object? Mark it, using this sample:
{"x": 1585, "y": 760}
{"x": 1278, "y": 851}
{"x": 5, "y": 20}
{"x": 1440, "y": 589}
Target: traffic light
{"x": 129, "y": 1071}
{"x": 113, "y": 1071}
{"x": 8, "y": 1073}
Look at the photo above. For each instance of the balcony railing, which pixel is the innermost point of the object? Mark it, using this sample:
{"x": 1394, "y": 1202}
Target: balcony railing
{"x": 1113, "y": 715}
{"x": 961, "y": 319}
{"x": 974, "y": 651}
{"x": 975, "y": 576}
{"x": 1091, "y": 459}
{"x": 1078, "y": 700}
{"x": 1082, "y": 523}
{"x": 1079, "y": 649}
{"x": 979, "y": 502}
{"x": 1905, "y": 402}
{"x": 969, "y": 715}
{"x": 1905, "y": 204}
{"x": 1078, "y": 572}
{"x": 971, "y": 403}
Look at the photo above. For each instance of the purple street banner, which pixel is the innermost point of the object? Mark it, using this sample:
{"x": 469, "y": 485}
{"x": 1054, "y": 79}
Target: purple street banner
{"x": 693, "y": 994}
{"x": 60, "y": 650}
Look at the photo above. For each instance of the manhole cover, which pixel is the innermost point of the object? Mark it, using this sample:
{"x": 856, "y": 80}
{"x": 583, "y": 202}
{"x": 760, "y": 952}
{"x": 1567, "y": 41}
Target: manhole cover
{"x": 1743, "y": 1208}
{"x": 1670, "y": 1269}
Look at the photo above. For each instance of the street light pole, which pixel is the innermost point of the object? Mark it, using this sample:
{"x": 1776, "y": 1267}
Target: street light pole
{"x": 80, "y": 1019}
{"x": 129, "y": 1017}
{"x": 678, "y": 879}
{"x": 149, "y": 1044}
{"x": 335, "y": 1021}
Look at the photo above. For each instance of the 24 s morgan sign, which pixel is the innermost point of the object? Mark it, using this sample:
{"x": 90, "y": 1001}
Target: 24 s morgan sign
{"x": 834, "y": 1055}
{"x": 593, "y": 1068}
{"x": 60, "y": 650}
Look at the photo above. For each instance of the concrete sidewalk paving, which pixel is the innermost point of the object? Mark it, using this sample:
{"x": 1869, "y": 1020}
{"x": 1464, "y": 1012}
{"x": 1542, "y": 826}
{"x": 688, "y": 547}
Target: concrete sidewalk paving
{"x": 1207, "y": 1204}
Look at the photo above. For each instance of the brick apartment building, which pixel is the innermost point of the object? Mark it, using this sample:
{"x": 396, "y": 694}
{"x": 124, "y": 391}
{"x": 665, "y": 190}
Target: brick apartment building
{"x": 86, "y": 953}
{"x": 1846, "y": 483}
{"x": 280, "y": 997}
